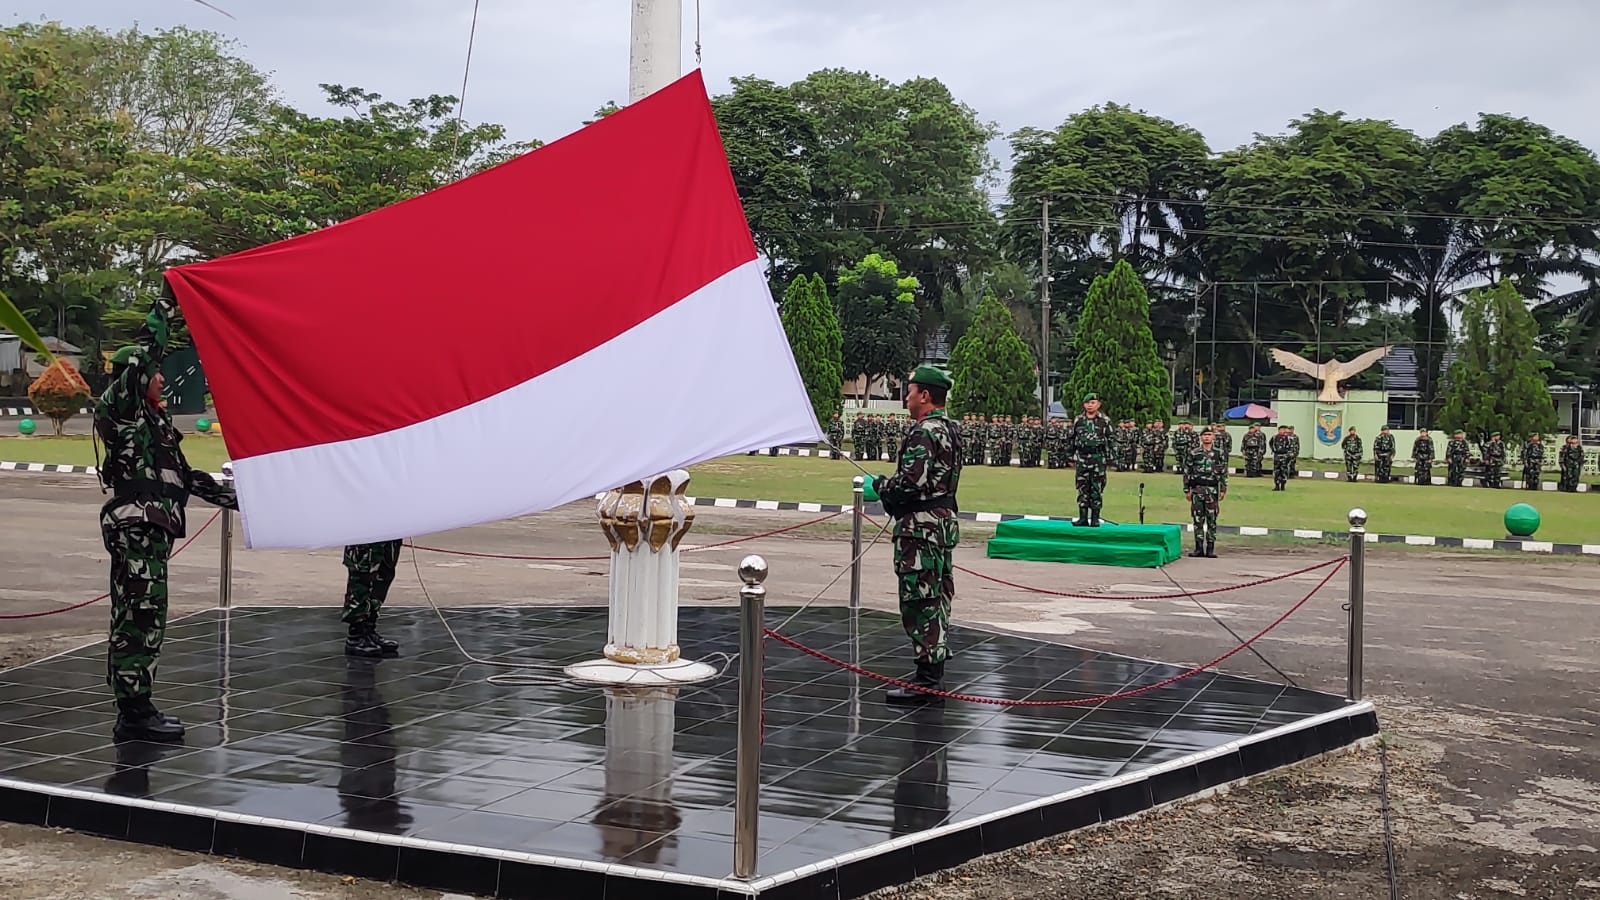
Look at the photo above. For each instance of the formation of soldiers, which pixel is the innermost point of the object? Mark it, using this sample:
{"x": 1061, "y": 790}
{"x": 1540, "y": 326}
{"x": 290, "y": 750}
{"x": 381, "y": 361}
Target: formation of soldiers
{"x": 1492, "y": 460}
{"x": 873, "y": 436}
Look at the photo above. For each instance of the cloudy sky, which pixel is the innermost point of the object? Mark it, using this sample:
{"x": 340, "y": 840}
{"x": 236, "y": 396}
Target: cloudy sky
{"x": 1230, "y": 68}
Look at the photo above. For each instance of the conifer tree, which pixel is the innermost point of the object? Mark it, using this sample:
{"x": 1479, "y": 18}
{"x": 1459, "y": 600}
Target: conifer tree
{"x": 1497, "y": 381}
{"x": 991, "y": 366}
{"x": 813, "y": 329}
{"x": 1114, "y": 353}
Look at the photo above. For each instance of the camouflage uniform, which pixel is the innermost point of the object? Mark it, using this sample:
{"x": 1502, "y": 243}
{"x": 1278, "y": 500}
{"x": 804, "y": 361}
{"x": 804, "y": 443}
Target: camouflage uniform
{"x": 1571, "y": 465}
{"x": 369, "y": 573}
{"x": 1156, "y": 448}
{"x": 1352, "y": 455}
{"x": 1205, "y": 480}
{"x": 1294, "y": 452}
{"x": 1254, "y": 448}
{"x": 921, "y": 496}
{"x": 150, "y": 483}
{"x": 1183, "y": 441}
{"x": 976, "y": 436}
{"x": 1000, "y": 436}
{"x": 1532, "y": 463}
{"x": 1494, "y": 462}
{"x": 1422, "y": 459}
{"x": 858, "y": 436}
{"x": 1383, "y": 457}
{"x": 1456, "y": 451}
{"x": 835, "y": 437}
{"x": 1088, "y": 437}
{"x": 1281, "y": 467}
{"x": 1222, "y": 441}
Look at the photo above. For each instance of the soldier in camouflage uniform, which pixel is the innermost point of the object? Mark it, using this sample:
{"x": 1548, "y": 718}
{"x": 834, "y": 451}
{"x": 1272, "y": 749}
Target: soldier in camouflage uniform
{"x": 1422, "y": 458}
{"x": 1155, "y": 447}
{"x": 1383, "y": 456}
{"x": 1183, "y": 441}
{"x": 1456, "y": 452}
{"x": 1571, "y": 465}
{"x": 150, "y": 483}
{"x": 1351, "y": 445}
{"x": 1281, "y": 468}
{"x": 1254, "y": 448}
{"x": 921, "y": 496}
{"x": 1532, "y": 462}
{"x": 369, "y": 572}
{"x": 858, "y": 436}
{"x": 1089, "y": 436}
{"x": 977, "y": 440}
{"x": 1494, "y": 461}
{"x": 1120, "y": 443}
{"x": 1294, "y": 452}
{"x": 1223, "y": 441}
{"x": 1205, "y": 484}
{"x": 1002, "y": 437}
{"x": 835, "y": 436}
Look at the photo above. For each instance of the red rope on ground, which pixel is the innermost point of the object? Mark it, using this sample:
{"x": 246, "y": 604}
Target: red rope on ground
{"x": 738, "y": 540}
{"x": 1087, "y": 701}
{"x": 53, "y": 612}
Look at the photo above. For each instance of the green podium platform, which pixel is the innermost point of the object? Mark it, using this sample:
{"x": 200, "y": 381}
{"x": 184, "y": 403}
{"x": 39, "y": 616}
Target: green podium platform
{"x": 1137, "y": 546}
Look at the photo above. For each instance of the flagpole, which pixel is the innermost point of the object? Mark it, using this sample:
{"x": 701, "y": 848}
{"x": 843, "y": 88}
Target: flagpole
{"x": 655, "y": 47}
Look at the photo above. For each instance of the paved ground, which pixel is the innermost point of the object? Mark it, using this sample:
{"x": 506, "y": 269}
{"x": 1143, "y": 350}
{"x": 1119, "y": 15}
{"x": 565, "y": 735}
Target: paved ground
{"x": 1483, "y": 667}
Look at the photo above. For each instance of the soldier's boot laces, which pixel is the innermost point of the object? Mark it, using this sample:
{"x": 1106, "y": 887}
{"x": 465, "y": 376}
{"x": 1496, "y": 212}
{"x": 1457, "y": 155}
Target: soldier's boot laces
{"x": 139, "y": 720}
{"x": 929, "y": 675}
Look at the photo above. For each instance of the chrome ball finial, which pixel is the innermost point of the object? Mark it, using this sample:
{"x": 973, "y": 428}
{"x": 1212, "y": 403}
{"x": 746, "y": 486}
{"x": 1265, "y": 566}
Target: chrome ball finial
{"x": 1358, "y": 517}
{"x": 752, "y": 569}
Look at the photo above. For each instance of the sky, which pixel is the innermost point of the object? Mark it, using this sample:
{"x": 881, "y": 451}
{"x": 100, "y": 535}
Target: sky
{"x": 1230, "y": 68}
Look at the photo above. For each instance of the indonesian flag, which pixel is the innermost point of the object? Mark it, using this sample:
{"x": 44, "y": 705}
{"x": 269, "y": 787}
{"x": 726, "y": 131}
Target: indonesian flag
{"x": 583, "y": 316}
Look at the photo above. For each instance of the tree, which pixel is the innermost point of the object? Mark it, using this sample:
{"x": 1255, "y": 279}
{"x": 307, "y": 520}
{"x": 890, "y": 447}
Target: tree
{"x": 59, "y": 392}
{"x": 1114, "y": 353}
{"x": 771, "y": 143}
{"x": 1496, "y": 382}
{"x": 813, "y": 329}
{"x": 991, "y": 366}
{"x": 877, "y": 319}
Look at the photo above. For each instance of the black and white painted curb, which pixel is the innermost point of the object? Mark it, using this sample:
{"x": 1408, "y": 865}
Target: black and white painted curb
{"x": 1266, "y": 471}
{"x": 1311, "y": 534}
{"x": 20, "y": 411}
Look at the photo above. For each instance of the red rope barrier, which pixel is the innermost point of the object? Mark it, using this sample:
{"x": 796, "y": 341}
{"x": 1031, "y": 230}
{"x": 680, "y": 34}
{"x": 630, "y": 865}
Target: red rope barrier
{"x": 1197, "y": 593}
{"x": 64, "y": 609}
{"x": 1087, "y": 701}
{"x": 738, "y": 540}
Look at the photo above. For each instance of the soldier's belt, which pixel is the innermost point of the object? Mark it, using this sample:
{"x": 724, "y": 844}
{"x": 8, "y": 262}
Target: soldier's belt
{"x": 947, "y": 501}
{"x": 148, "y": 489}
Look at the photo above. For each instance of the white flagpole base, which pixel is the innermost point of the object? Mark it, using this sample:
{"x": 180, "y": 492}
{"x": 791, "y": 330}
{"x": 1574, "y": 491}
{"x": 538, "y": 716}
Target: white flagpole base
{"x": 606, "y": 671}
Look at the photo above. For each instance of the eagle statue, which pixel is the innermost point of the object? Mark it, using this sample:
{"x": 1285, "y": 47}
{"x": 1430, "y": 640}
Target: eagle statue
{"x": 1331, "y": 372}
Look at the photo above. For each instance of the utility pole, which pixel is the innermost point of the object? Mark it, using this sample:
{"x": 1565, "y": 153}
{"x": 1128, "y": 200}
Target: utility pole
{"x": 1044, "y": 310}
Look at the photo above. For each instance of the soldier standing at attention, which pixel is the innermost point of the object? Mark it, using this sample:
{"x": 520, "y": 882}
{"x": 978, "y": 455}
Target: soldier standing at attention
{"x": 1147, "y": 449}
{"x": 369, "y": 573}
{"x": 1183, "y": 441}
{"x": 1352, "y": 454}
{"x": 1494, "y": 461}
{"x": 1205, "y": 483}
{"x": 1088, "y": 437}
{"x": 1294, "y": 452}
{"x": 1532, "y": 462}
{"x": 1422, "y": 458}
{"x": 1223, "y": 441}
{"x": 1254, "y": 448}
{"x": 978, "y": 440}
{"x": 1280, "y": 458}
{"x": 1456, "y": 451}
{"x": 150, "y": 483}
{"x": 858, "y": 436}
{"x": 1571, "y": 465}
{"x": 835, "y": 436}
{"x": 921, "y": 496}
{"x": 1383, "y": 456}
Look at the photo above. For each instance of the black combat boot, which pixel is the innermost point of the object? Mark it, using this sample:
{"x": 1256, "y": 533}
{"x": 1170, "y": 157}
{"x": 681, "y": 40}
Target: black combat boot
{"x": 1082, "y": 521}
{"x": 929, "y": 675}
{"x": 139, "y": 720}
{"x": 1199, "y": 546}
{"x": 1211, "y": 548}
{"x": 362, "y": 641}
{"x": 390, "y": 648}
{"x": 1094, "y": 518}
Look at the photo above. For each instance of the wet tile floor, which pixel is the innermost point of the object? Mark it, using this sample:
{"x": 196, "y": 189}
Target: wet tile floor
{"x": 282, "y": 725}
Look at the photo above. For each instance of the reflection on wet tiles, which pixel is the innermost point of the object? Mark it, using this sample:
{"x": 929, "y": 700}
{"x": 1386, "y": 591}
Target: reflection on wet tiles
{"x": 283, "y": 725}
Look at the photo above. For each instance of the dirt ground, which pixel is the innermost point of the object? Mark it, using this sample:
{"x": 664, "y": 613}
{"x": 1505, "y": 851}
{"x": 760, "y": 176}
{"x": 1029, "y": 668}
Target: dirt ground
{"x": 1483, "y": 668}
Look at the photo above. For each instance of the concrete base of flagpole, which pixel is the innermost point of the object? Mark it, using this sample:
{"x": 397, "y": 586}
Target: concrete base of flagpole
{"x": 606, "y": 671}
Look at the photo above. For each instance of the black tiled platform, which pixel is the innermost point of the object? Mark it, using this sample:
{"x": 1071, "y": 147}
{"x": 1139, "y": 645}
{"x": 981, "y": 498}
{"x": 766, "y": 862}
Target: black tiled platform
{"x": 418, "y": 769}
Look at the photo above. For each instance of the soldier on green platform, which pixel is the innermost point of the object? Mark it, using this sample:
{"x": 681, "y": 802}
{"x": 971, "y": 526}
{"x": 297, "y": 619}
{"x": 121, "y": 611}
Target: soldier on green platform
{"x": 1089, "y": 436}
{"x": 1351, "y": 445}
{"x": 1571, "y": 465}
{"x": 921, "y": 497}
{"x": 1456, "y": 452}
{"x": 1254, "y": 448}
{"x": 1422, "y": 458}
{"x": 1205, "y": 484}
{"x": 1494, "y": 461}
{"x": 150, "y": 483}
{"x": 1281, "y": 468}
{"x": 369, "y": 572}
{"x": 1532, "y": 462}
{"x": 1383, "y": 456}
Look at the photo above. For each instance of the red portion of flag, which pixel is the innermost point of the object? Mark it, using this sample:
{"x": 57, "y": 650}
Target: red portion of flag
{"x": 446, "y": 299}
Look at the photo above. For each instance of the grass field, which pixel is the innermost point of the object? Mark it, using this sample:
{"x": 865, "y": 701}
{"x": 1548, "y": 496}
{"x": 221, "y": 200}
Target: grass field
{"x": 1308, "y": 503}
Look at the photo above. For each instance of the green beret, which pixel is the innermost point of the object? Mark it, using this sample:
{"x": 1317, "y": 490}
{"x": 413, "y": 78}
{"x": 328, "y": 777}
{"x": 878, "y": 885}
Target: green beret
{"x": 1494, "y": 434}
{"x": 126, "y": 355}
{"x": 928, "y": 376}
{"x": 1090, "y": 396}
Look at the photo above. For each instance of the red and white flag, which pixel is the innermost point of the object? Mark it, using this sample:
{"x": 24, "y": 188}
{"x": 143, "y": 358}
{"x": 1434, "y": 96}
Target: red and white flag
{"x": 608, "y": 320}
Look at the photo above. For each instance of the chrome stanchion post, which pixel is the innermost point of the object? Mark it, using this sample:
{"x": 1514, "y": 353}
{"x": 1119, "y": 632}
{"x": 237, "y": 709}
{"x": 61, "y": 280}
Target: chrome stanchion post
{"x": 857, "y": 490}
{"x": 225, "y": 577}
{"x": 747, "y": 763}
{"x": 1357, "y": 627}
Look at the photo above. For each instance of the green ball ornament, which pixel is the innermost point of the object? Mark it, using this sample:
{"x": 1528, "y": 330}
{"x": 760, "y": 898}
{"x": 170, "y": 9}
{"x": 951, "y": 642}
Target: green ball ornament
{"x": 203, "y": 424}
{"x": 1522, "y": 520}
{"x": 26, "y": 426}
